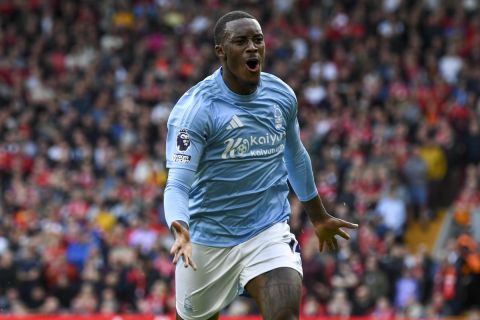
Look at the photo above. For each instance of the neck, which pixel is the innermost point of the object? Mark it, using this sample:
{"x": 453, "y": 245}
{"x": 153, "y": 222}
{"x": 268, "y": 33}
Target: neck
{"x": 237, "y": 85}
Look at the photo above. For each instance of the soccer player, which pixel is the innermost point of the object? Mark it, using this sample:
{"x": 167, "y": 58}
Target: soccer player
{"x": 233, "y": 141}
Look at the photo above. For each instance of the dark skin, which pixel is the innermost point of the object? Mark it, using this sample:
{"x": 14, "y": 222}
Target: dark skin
{"x": 277, "y": 292}
{"x": 242, "y": 43}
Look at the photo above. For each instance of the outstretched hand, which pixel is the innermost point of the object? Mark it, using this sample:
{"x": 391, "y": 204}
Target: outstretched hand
{"x": 182, "y": 247}
{"x": 329, "y": 228}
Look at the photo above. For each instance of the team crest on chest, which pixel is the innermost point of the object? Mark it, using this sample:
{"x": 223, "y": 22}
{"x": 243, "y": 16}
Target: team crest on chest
{"x": 277, "y": 117}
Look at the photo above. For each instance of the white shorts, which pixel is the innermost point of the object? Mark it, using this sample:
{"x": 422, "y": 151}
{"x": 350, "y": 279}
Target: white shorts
{"x": 222, "y": 273}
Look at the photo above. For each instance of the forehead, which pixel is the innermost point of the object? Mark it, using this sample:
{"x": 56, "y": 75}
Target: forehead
{"x": 242, "y": 27}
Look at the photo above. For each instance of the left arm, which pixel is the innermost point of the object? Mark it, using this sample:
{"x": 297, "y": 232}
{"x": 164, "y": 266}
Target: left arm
{"x": 301, "y": 178}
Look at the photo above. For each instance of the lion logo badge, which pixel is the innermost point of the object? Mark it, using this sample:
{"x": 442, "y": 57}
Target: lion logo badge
{"x": 183, "y": 140}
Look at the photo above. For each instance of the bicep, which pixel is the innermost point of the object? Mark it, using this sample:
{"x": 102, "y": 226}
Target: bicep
{"x": 293, "y": 143}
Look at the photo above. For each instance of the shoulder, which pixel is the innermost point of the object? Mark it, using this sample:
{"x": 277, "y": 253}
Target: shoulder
{"x": 195, "y": 102}
{"x": 200, "y": 95}
{"x": 274, "y": 83}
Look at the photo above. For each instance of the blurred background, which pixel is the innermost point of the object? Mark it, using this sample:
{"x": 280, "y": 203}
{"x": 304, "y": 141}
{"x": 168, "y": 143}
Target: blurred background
{"x": 389, "y": 107}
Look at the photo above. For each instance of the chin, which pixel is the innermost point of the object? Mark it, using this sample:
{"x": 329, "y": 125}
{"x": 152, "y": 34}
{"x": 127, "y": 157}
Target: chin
{"x": 255, "y": 80}
{"x": 252, "y": 79}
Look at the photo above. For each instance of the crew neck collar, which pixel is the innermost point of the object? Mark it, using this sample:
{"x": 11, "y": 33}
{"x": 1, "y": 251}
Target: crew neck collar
{"x": 229, "y": 92}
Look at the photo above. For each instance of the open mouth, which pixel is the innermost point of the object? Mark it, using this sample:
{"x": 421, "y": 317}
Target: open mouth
{"x": 253, "y": 64}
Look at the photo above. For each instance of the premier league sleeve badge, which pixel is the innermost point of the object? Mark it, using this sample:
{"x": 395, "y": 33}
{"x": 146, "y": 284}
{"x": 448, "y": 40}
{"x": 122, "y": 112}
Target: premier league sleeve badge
{"x": 183, "y": 140}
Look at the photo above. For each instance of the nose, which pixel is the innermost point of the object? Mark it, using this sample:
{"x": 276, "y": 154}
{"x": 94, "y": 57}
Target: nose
{"x": 251, "y": 47}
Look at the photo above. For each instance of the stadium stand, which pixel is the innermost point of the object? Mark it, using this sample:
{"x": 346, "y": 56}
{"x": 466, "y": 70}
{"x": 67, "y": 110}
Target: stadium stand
{"x": 389, "y": 106}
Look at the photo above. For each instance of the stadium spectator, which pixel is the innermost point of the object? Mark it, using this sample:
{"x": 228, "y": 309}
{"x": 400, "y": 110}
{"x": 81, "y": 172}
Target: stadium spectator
{"x": 85, "y": 91}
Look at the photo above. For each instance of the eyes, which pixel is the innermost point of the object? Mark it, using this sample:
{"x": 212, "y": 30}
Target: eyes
{"x": 241, "y": 41}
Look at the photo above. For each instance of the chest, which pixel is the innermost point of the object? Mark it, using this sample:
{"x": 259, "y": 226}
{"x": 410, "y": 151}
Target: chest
{"x": 252, "y": 130}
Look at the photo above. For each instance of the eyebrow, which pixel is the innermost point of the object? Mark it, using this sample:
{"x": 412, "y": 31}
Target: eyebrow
{"x": 240, "y": 36}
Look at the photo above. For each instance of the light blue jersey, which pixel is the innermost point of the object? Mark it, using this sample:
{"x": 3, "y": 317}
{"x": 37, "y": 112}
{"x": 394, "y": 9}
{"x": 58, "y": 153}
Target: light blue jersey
{"x": 238, "y": 149}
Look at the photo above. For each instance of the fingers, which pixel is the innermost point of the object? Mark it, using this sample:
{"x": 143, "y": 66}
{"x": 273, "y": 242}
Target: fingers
{"x": 176, "y": 257}
{"x": 332, "y": 244}
{"x": 187, "y": 261}
{"x": 176, "y": 253}
{"x": 184, "y": 253}
{"x": 345, "y": 224}
{"x": 343, "y": 234}
{"x": 174, "y": 248}
{"x": 349, "y": 225}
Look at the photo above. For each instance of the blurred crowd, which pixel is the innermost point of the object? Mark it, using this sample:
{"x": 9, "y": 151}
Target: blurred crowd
{"x": 389, "y": 106}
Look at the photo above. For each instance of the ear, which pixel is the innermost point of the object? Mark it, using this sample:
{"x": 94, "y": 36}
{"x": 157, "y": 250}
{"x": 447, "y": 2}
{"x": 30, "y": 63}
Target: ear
{"x": 219, "y": 51}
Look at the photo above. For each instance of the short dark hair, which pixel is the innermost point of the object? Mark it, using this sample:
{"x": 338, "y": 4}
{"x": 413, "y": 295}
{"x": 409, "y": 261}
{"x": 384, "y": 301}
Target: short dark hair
{"x": 219, "y": 30}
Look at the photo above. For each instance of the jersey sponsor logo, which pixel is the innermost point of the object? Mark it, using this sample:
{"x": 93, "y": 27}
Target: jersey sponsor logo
{"x": 183, "y": 140}
{"x": 182, "y": 158}
{"x": 255, "y": 146}
{"x": 235, "y": 123}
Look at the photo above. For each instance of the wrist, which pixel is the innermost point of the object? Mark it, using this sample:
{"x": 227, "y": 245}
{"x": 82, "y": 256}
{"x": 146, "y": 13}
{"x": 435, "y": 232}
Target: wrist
{"x": 318, "y": 217}
{"x": 174, "y": 231}
{"x": 316, "y": 211}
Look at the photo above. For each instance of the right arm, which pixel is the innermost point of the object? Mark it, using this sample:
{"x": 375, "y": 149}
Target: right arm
{"x": 176, "y": 213}
{"x": 186, "y": 138}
